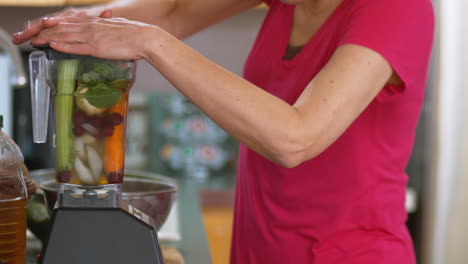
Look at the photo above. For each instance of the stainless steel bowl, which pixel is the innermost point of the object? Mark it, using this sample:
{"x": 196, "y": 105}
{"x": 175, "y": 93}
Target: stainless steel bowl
{"x": 151, "y": 193}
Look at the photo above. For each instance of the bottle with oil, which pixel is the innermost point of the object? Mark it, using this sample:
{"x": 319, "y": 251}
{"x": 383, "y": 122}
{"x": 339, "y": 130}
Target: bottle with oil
{"x": 13, "y": 200}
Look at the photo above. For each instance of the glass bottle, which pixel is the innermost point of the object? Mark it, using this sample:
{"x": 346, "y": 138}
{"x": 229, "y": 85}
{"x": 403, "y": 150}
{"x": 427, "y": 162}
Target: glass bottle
{"x": 13, "y": 201}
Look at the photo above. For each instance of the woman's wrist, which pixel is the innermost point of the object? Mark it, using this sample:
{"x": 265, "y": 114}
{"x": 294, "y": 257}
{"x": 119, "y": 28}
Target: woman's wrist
{"x": 152, "y": 46}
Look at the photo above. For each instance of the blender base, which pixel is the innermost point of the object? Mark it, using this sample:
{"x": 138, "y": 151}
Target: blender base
{"x": 104, "y": 235}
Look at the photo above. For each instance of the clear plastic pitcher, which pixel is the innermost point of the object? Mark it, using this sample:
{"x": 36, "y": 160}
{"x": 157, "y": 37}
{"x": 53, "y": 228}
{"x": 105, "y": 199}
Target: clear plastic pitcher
{"x": 90, "y": 101}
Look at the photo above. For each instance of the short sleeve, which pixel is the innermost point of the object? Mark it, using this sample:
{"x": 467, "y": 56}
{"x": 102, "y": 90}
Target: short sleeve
{"x": 399, "y": 30}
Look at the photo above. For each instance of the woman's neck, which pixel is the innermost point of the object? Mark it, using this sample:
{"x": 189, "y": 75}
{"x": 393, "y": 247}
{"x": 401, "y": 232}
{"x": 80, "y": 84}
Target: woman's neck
{"x": 308, "y": 18}
{"x": 317, "y": 7}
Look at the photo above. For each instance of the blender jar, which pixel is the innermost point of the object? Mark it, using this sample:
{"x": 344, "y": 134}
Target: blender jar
{"x": 90, "y": 100}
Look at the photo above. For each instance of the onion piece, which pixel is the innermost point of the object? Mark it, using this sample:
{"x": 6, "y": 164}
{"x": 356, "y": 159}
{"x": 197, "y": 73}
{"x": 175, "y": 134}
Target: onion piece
{"x": 88, "y": 139}
{"x": 83, "y": 173}
{"x": 94, "y": 162}
{"x": 79, "y": 147}
{"x": 90, "y": 129}
{"x": 85, "y": 106}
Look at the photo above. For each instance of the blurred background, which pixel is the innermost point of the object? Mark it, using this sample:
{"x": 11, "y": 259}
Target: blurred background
{"x": 167, "y": 135}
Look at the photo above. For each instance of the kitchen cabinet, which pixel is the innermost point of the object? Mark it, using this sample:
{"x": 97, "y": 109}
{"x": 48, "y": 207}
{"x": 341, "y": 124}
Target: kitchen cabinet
{"x": 218, "y": 225}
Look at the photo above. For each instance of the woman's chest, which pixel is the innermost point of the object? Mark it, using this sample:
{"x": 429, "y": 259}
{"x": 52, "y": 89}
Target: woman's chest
{"x": 286, "y": 79}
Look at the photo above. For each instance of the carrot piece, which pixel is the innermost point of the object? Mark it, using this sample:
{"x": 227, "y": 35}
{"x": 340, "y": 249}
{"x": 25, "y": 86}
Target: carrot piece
{"x": 114, "y": 146}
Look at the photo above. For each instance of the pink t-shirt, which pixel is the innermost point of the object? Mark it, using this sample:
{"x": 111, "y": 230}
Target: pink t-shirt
{"x": 345, "y": 206}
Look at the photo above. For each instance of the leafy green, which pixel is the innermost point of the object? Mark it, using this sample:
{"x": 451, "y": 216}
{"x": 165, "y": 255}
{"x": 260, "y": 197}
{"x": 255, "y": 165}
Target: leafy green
{"x": 104, "y": 69}
{"x": 90, "y": 77}
{"x": 101, "y": 95}
{"x": 37, "y": 212}
{"x": 105, "y": 82}
{"x": 124, "y": 73}
{"x": 120, "y": 83}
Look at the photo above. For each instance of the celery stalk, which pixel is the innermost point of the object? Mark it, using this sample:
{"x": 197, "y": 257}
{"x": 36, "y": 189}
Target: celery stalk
{"x": 67, "y": 71}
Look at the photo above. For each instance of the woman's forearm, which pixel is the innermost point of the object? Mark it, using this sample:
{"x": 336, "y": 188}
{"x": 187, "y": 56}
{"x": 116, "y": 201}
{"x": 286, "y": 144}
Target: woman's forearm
{"x": 266, "y": 124}
{"x": 180, "y": 18}
{"x": 155, "y": 12}
{"x": 286, "y": 134}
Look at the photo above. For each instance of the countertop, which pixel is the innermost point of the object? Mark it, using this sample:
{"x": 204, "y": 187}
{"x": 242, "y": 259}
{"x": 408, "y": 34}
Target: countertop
{"x": 193, "y": 244}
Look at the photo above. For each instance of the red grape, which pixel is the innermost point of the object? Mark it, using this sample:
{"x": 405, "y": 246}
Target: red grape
{"x": 96, "y": 121}
{"x": 79, "y": 117}
{"x": 78, "y": 130}
{"x": 107, "y": 131}
{"x": 64, "y": 176}
{"x": 115, "y": 177}
{"x": 116, "y": 119}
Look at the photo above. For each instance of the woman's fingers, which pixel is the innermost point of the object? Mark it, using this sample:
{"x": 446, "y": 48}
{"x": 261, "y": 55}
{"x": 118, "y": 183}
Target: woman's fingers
{"x": 75, "y": 17}
{"x": 30, "y": 29}
{"x": 63, "y": 32}
{"x": 62, "y": 37}
{"x": 113, "y": 21}
{"x": 33, "y": 28}
{"x": 72, "y": 48}
{"x": 106, "y": 14}
{"x": 112, "y": 38}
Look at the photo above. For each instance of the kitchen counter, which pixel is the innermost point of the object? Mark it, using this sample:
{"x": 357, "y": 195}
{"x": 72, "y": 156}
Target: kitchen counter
{"x": 193, "y": 244}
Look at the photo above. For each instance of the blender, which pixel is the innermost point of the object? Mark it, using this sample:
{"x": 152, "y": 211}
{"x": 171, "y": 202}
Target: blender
{"x": 90, "y": 223}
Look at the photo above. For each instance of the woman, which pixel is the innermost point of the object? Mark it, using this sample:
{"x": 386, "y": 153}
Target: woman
{"x": 326, "y": 112}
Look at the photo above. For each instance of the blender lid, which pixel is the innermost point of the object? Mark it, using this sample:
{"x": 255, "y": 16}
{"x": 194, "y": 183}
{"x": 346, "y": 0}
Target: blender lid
{"x": 52, "y": 54}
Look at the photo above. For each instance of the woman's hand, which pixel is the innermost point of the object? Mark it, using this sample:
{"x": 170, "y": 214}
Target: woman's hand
{"x": 70, "y": 15}
{"x": 107, "y": 38}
